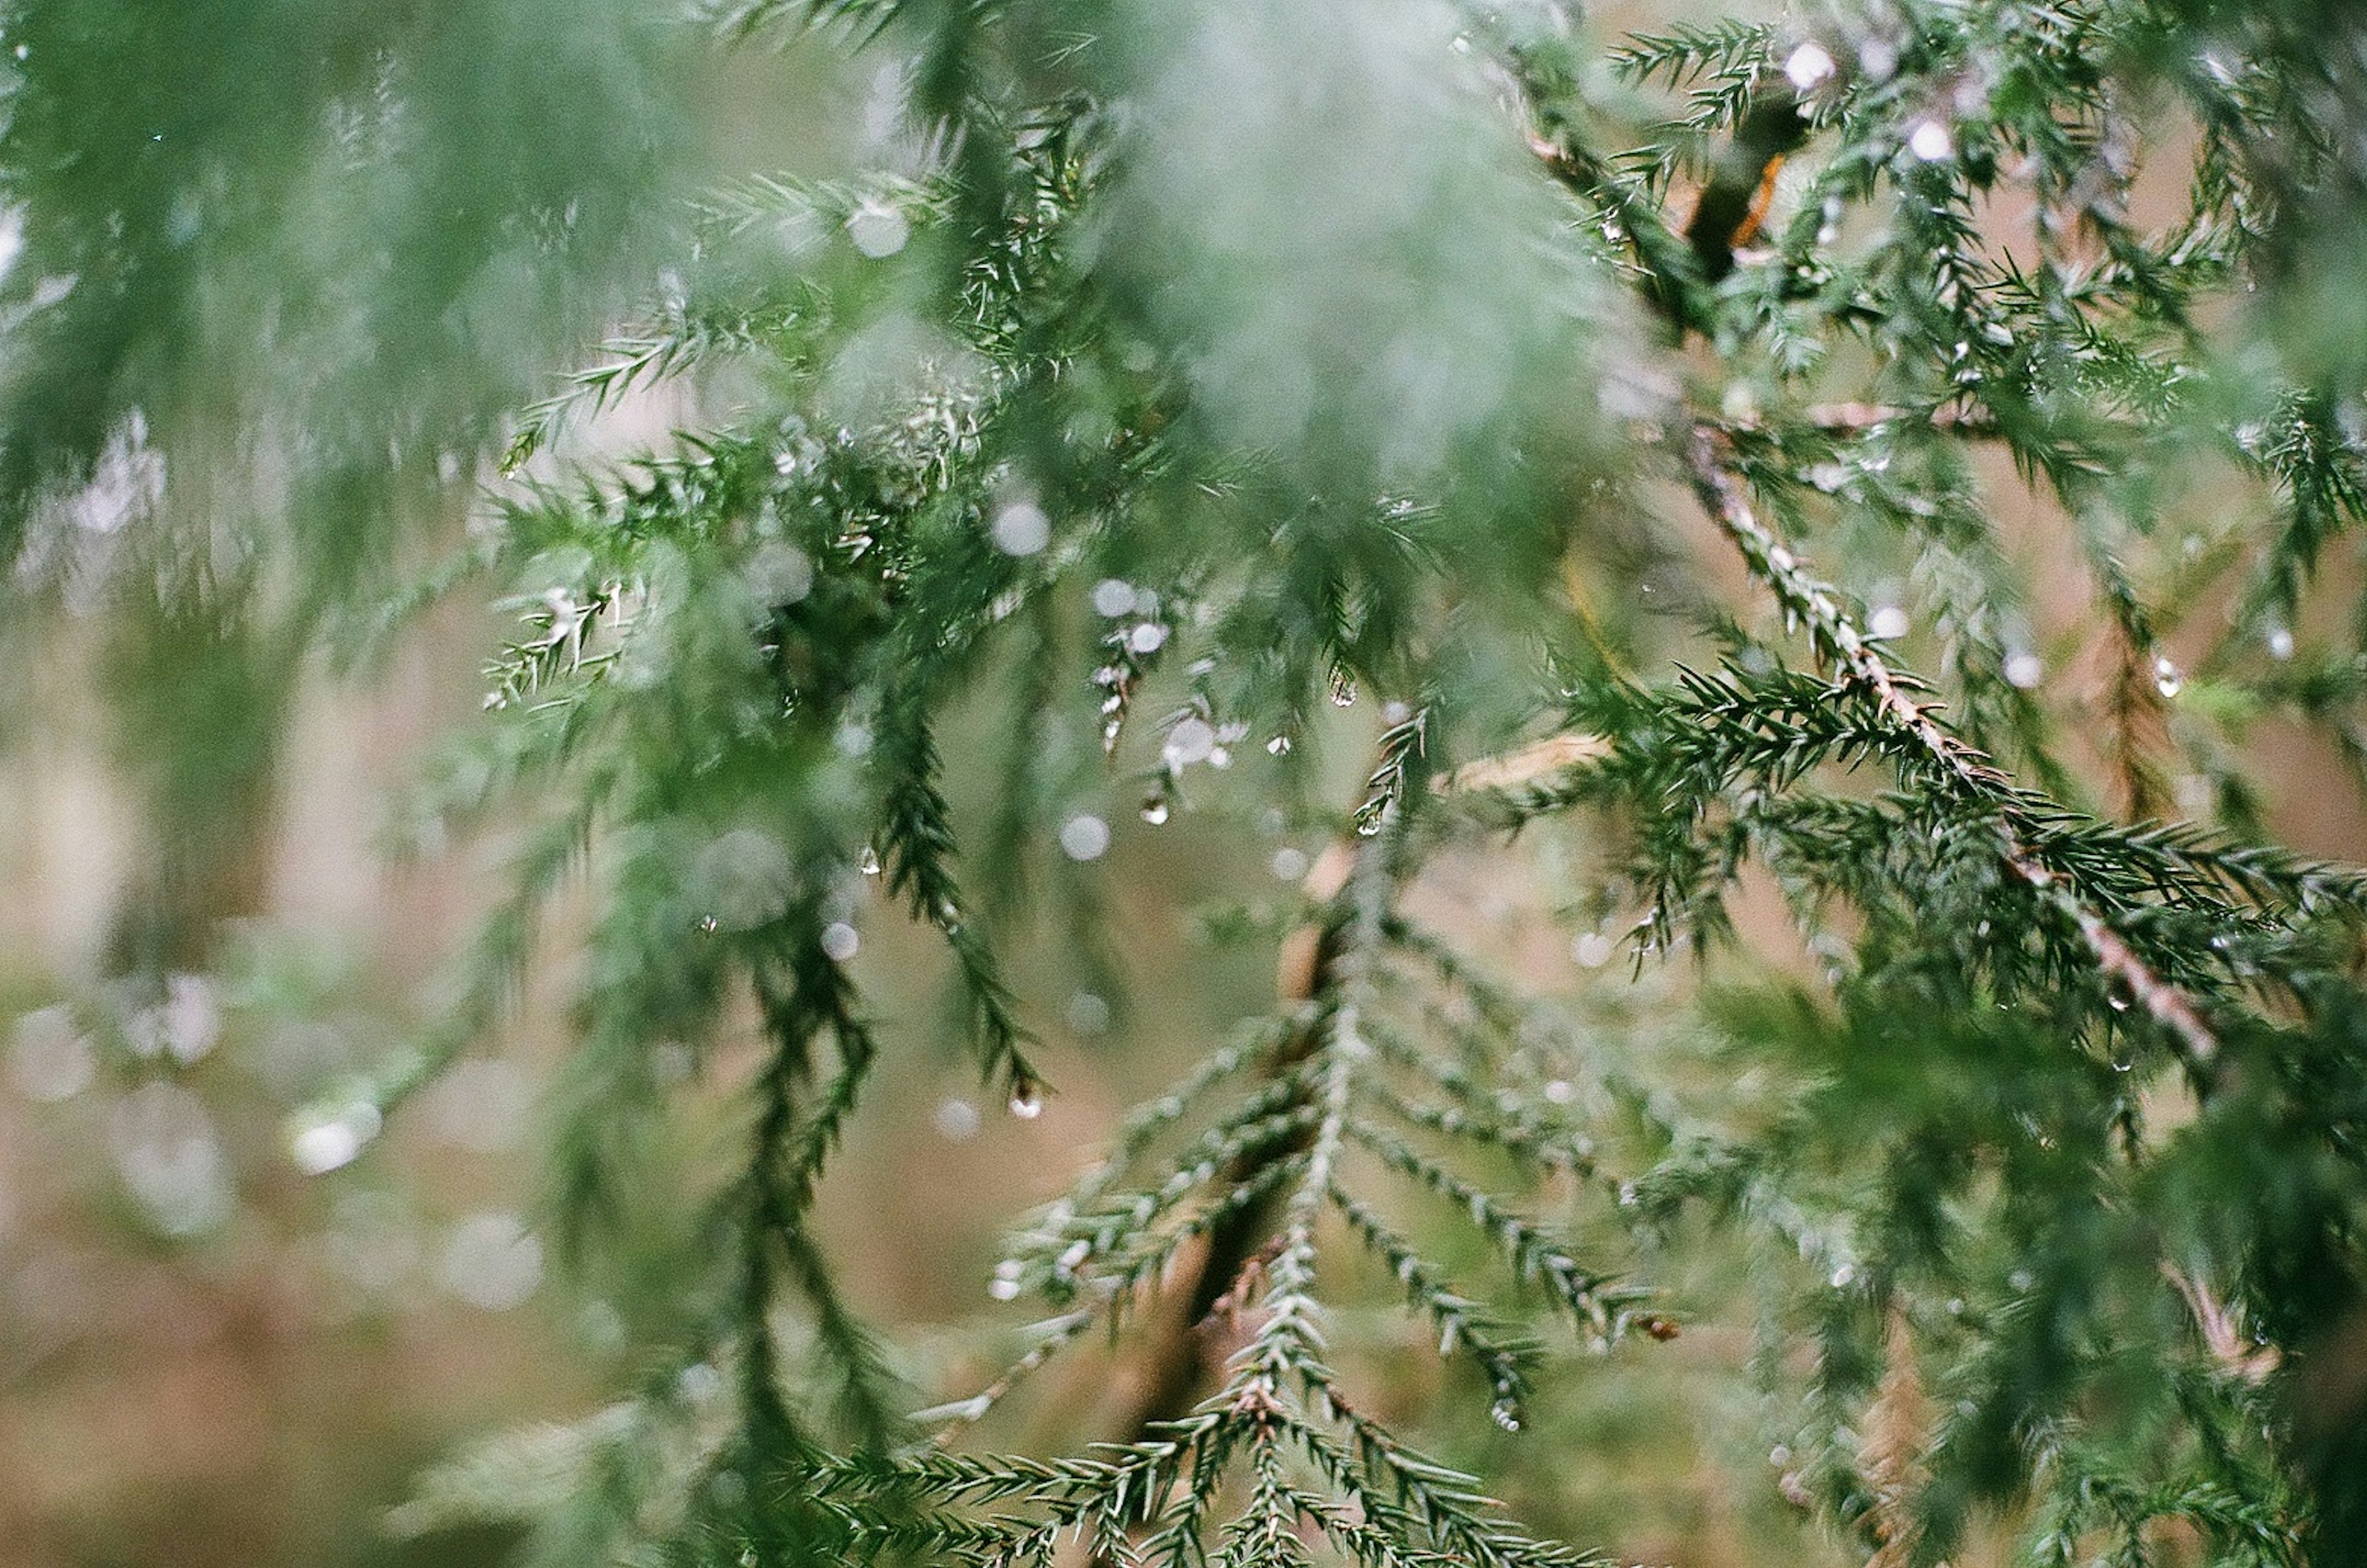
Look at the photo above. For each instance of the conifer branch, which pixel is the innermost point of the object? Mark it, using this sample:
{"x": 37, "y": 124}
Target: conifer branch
{"x": 1724, "y": 494}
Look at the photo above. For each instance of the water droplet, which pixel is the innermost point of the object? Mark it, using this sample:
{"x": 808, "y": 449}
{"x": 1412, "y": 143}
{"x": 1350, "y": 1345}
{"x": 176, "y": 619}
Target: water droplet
{"x": 50, "y": 1058}
{"x": 956, "y": 1120}
{"x": 1810, "y": 67}
{"x": 324, "y": 1141}
{"x": 492, "y": 1261}
{"x": 1289, "y": 864}
{"x": 1505, "y": 1413}
{"x": 1089, "y": 1015}
{"x": 1154, "y": 810}
{"x": 2165, "y": 677}
{"x": 1278, "y": 746}
{"x": 1022, "y": 529}
{"x": 1593, "y": 949}
{"x": 1931, "y": 141}
{"x": 2024, "y": 670}
{"x": 1343, "y": 689}
{"x": 1084, "y": 837}
{"x": 2119, "y": 1004}
{"x": 1147, "y": 637}
{"x": 1842, "y": 1277}
{"x": 877, "y": 229}
{"x": 1889, "y": 623}
{"x": 868, "y": 862}
{"x": 1192, "y": 740}
{"x": 1560, "y": 1091}
{"x": 709, "y": 925}
{"x": 1113, "y": 597}
{"x": 1002, "y": 1290}
{"x": 699, "y": 1382}
{"x": 779, "y": 574}
{"x": 1878, "y": 57}
{"x": 170, "y": 1158}
{"x": 840, "y": 942}
{"x": 2121, "y": 1066}
{"x": 1026, "y": 1099}
{"x": 2280, "y": 644}
{"x": 1220, "y": 757}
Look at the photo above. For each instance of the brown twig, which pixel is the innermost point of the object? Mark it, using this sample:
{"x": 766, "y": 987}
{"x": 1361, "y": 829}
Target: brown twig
{"x": 1180, "y": 1358}
{"x": 1898, "y": 1429}
{"x": 1727, "y": 498}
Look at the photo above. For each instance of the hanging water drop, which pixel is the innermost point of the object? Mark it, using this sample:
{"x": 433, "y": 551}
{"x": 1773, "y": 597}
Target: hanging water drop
{"x": 868, "y": 861}
{"x": 1192, "y": 740}
{"x": 1931, "y": 141}
{"x": 1505, "y": 1413}
{"x": 1154, "y": 810}
{"x": 708, "y": 925}
{"x": 877, "y": 229}
{"x": 2167, "y": 678}
{"x": 1026, "y": 1099}
{"x": 1084, "y": 837}
{"x": 1810, "y": 66}
{"x": 1278, "y": 746}
{"x": 2280, "y": 644}
{"x": 1022, "y": 529}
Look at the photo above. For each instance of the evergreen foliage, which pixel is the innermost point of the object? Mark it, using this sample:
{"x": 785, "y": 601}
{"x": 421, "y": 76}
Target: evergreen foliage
{"x": 1640, "y": 465}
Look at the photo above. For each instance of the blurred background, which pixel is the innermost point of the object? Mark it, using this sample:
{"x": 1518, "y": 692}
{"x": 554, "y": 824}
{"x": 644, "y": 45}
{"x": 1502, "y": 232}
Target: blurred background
{"x": 239, "y": 1312}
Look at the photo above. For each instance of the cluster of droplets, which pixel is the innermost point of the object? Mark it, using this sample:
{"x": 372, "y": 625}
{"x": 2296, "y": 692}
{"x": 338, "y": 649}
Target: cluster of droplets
{"x": 1194, "y": 739}
{"x": 1135, "y": 641}
{"x": 1506, "y": 1410}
